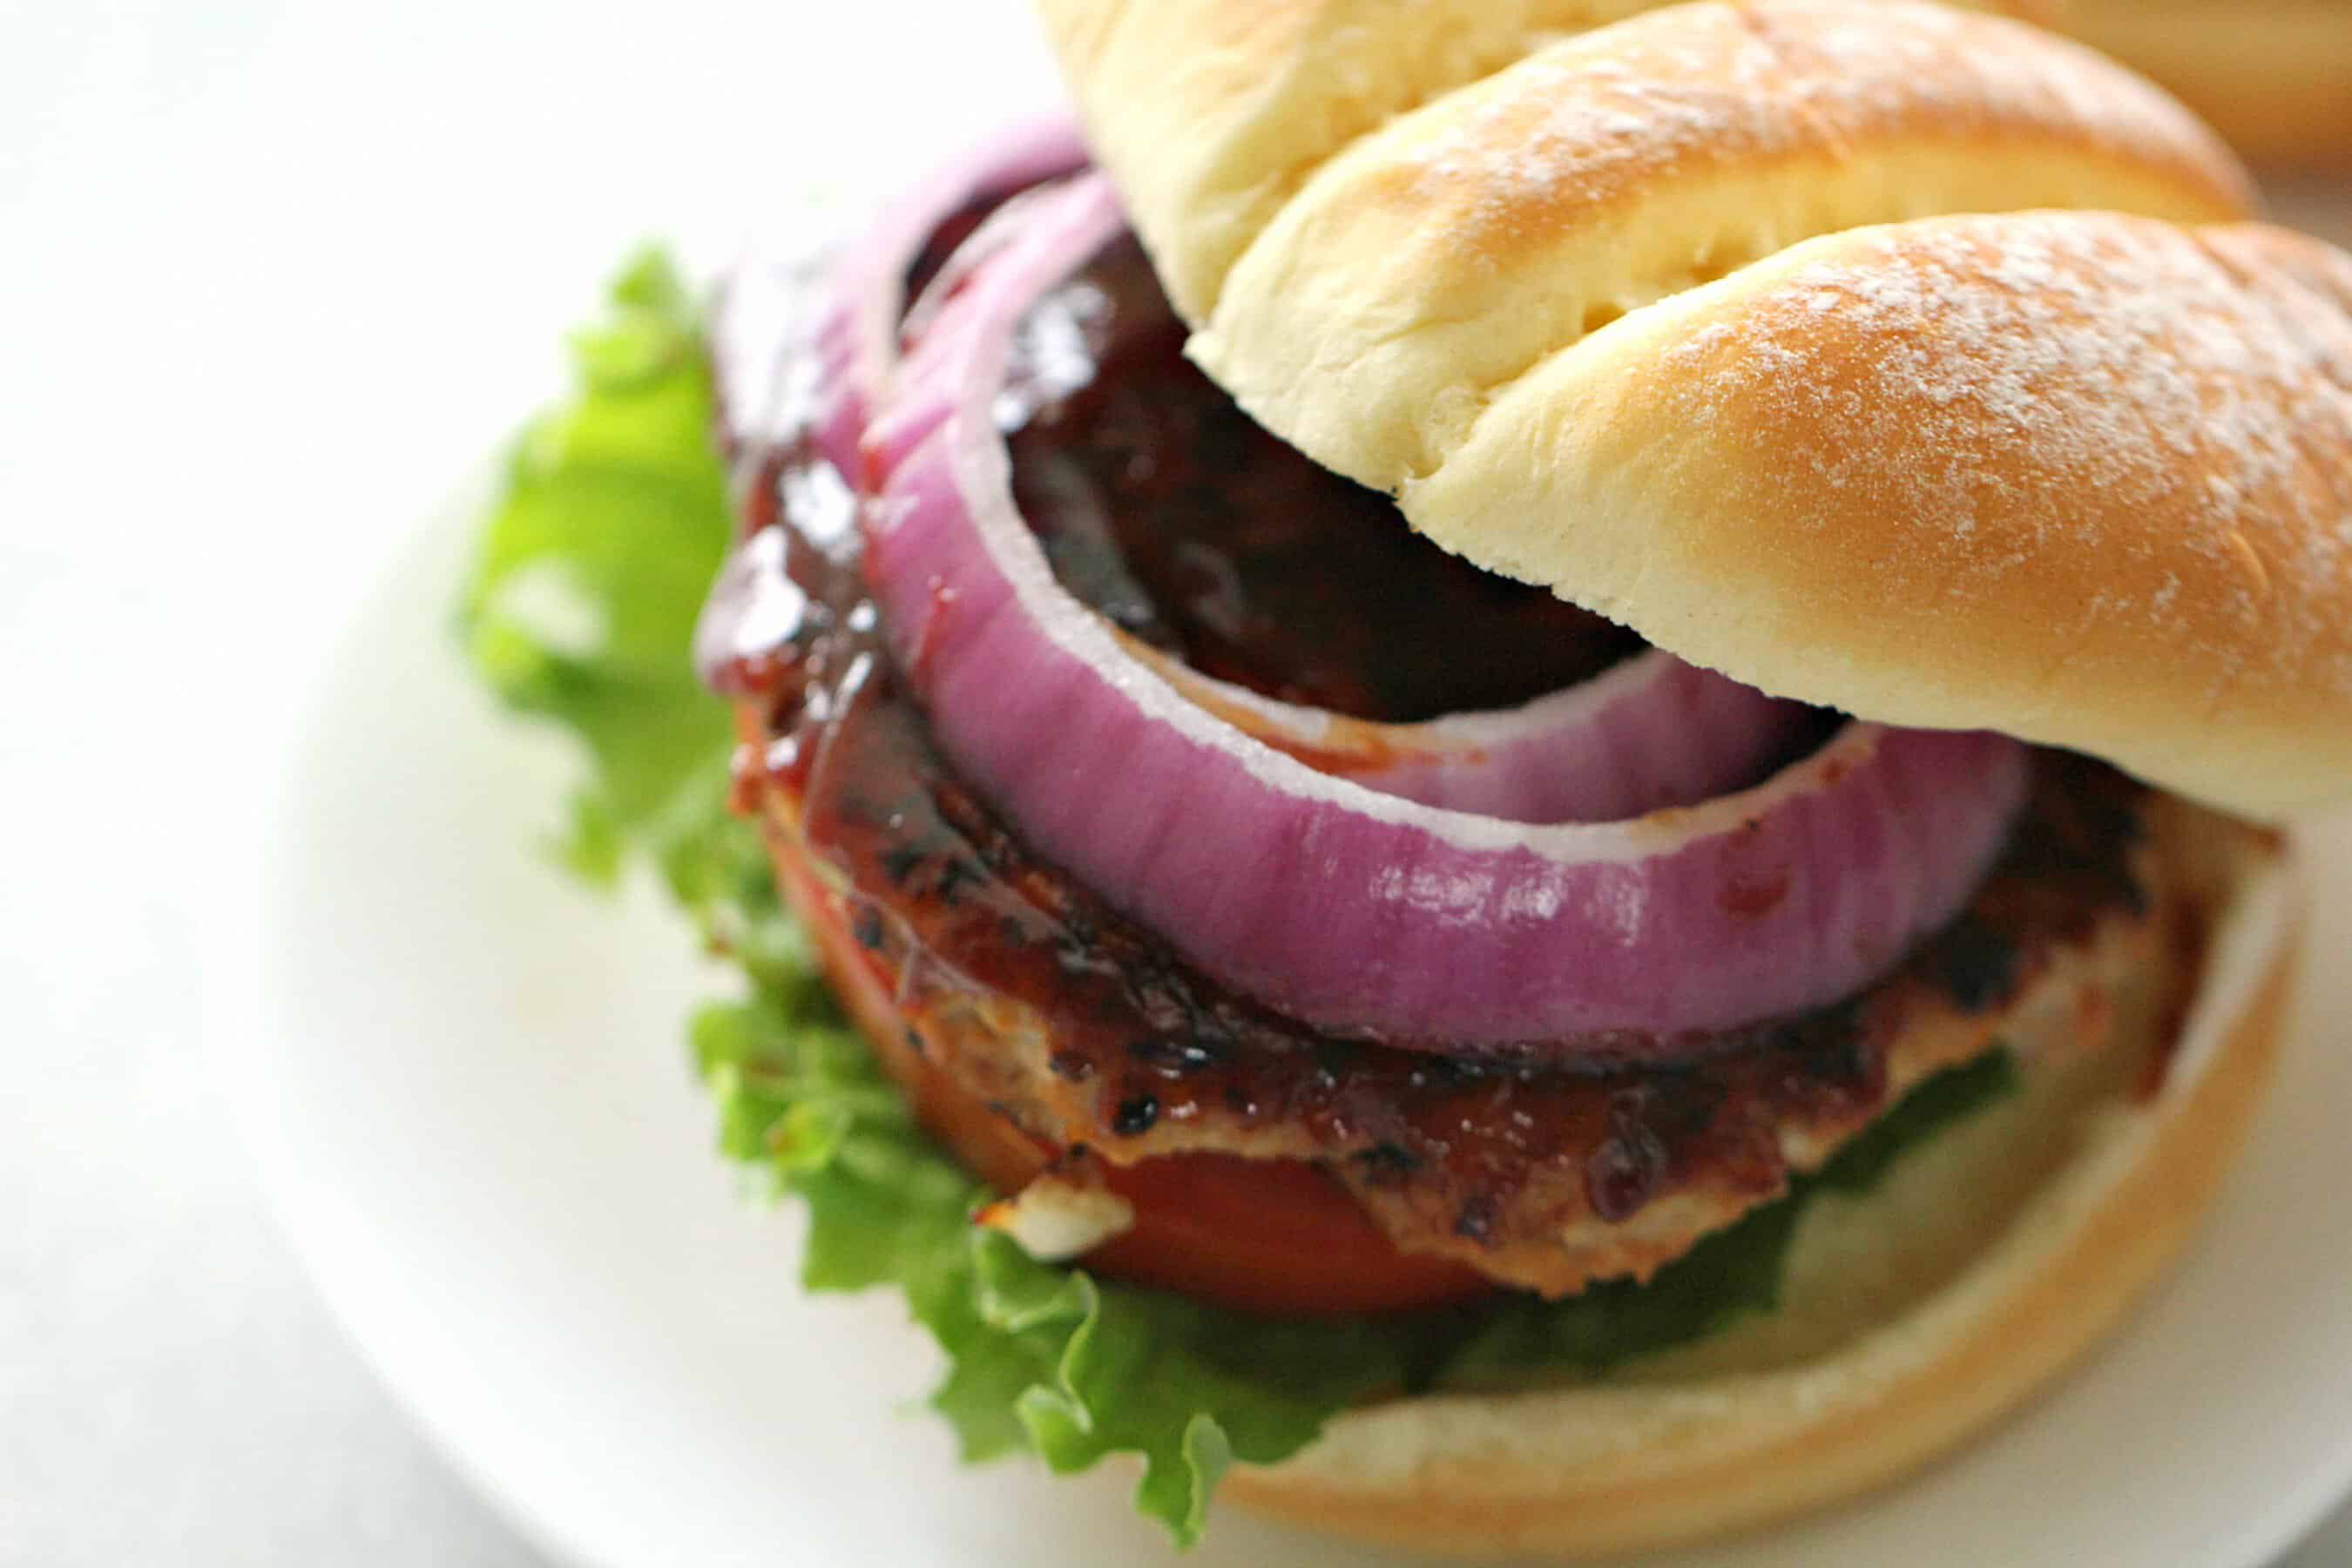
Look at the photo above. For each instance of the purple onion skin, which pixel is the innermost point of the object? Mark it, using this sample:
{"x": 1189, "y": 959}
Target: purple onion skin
{"x": 1355, "y": 911}
{"x": 857, "y": 343}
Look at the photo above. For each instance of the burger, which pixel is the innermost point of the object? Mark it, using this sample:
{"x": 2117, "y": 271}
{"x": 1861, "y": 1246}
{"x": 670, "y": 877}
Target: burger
{"x": 1504, "y": 786}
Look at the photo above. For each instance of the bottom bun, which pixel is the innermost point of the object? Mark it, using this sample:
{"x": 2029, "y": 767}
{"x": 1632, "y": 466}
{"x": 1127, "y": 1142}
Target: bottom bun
{"x": 1991, "y": 1297}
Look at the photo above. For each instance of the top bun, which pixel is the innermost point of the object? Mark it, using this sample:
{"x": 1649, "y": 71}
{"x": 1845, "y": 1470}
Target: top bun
{"x": 1673, "y": 318}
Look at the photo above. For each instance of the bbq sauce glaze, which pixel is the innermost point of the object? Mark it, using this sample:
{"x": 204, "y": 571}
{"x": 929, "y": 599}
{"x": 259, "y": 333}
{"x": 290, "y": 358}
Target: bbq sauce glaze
{"x": 1165, "y": 509}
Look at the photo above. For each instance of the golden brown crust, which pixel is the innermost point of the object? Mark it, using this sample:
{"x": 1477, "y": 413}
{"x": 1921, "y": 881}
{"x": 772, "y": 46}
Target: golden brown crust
{"x": 1215, "y": 112}
{"x": 1245, "y": 98}
{"x": 1625, "y": 1466}
{"x": 2275, "y": 78}
{"x": 2135, "y": 540}
{"x": 2079, "y": 477}
{"x": 1437, "y": 259}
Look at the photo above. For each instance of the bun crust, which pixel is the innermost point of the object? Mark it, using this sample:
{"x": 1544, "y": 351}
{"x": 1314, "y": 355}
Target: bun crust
{"x": 2276, "y": 76}
{"x": 2081, "y": 479}
{"x": 2078, "y": 478}
{"x": 1213, "y": 112}
{"x": 1627, "y": 1466}
{"x": 1431, "y": 264}
{"x": 1245, "y": 98}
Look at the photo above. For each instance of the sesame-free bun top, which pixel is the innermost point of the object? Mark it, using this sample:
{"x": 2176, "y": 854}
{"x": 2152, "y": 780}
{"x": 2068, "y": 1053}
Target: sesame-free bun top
{"x": 1760, "y": 327}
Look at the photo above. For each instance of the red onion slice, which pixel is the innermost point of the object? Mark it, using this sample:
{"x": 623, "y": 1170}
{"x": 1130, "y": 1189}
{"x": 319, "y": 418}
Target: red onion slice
{"x": 1354, "y": 910}
{"x": 857, "y": 344}
{"x": 1649, "y": 734}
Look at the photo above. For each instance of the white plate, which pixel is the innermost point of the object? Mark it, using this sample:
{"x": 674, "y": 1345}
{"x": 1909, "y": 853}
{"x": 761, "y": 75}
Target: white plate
{"x": 467, "y": 1086}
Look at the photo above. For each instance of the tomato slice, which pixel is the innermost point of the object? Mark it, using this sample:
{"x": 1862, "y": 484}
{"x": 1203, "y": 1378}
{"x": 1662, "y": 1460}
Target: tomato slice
{"x": 1277, "y": 1237}
{"x": 1273, "y": 1236}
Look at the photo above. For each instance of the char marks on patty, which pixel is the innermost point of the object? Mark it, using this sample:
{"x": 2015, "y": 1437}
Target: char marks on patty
{"x": 1038, "y": 999}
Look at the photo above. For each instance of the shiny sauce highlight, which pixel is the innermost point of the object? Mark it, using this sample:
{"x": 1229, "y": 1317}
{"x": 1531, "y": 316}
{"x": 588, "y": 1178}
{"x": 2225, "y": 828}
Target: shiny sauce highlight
{"x": 1169, "y": 511}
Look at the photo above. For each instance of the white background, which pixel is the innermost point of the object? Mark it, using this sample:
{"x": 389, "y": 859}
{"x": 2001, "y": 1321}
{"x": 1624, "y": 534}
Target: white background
{"x": 272, "y": 274}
